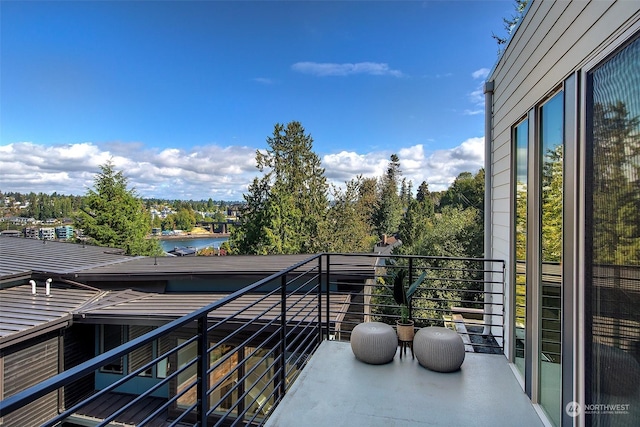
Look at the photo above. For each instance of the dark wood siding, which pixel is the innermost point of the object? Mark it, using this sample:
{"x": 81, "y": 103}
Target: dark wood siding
{"x": 24, "y": 366}
{"x": 79, "y": 346}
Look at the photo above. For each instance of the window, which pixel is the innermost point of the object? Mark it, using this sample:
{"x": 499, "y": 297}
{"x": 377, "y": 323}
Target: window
{"x": 112, "y": 336}
{"x": 551, "y": 236}
{"x": 520, "y": 158}
{"x": 612, "y": 243}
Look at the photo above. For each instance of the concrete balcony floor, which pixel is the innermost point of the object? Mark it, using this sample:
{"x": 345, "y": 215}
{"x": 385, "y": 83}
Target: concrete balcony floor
{"x": 335, "y": 389}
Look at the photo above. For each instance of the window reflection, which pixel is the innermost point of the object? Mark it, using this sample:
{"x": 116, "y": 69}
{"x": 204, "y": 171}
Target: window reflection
{"x": 613, "y": 237}
{"x": 551, "y": 196}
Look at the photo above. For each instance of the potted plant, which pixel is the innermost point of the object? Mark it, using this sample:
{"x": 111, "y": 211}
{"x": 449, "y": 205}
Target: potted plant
{"x": 403, "y": 295}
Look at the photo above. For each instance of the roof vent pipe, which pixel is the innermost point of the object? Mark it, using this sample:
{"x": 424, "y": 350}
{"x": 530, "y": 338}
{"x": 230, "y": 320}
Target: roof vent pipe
{"x": 47, "y": 289}
{"x": 33, "y": 286}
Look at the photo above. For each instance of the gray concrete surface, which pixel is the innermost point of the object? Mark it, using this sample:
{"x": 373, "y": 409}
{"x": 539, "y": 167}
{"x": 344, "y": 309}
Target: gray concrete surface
{"x": 335, "y": 389}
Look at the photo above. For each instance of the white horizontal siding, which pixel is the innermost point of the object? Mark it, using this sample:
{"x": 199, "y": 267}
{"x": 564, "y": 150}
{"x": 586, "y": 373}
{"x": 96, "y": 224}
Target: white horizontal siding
{"x": 554, "y": 40}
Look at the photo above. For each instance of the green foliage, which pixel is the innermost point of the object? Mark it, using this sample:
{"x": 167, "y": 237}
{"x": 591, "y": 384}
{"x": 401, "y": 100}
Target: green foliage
{"x": 616, "y": 199}
{"x": 286, "y": 207}
{"x": 510, "y": 23}
{"x": 416, "y": 222}
{"x": 389, "y": 209}
{"x": 348, "y": 227}
{"x": 552, "y": 196}
{"x": 467, "y": 191}
{"x": 403, "y": 295}
{"x": 114, "y": 216}
{"x": 185, "y": 219}
{"x": 455, "y": 233}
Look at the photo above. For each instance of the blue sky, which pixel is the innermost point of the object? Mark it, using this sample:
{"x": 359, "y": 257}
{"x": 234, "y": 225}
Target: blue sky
{"x": 182, "y": 94}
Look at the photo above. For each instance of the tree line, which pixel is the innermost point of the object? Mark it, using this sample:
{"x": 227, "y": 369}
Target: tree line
{"x": 292, "y": 209}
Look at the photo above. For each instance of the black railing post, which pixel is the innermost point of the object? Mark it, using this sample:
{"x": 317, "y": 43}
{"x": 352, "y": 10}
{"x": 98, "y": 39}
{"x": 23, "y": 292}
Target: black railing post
{"x": 410, "y": 306}
{"x": 202, "y": 384}
{"x": 320, "y": 299}
{"x": 328, "y": 300}
{"x": 283, "y": 335}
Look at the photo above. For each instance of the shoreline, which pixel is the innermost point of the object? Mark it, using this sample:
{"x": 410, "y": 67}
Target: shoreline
{"x": 192, "y": 236}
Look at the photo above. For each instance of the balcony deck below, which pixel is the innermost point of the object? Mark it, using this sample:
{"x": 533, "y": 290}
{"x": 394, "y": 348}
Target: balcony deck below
{"x": 335, "y": 389}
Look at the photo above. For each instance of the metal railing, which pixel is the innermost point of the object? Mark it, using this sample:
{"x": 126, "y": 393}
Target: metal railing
{"x": 232, "y": 361}
{"x": 463, "y": 294}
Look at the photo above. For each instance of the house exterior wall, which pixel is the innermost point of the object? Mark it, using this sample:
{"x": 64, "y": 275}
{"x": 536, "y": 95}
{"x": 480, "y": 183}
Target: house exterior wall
{"x": 24, "y": 366}
{"x": 553, "y": 44}
{"x": 78, "y": 347}
{"x": 555, "y": 40}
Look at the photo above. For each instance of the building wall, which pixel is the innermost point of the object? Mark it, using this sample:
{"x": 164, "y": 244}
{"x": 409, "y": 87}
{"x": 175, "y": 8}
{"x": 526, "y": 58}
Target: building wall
{"x": 26, "y": 365}
{"x": 78, "y": 347}
{"x": 553, "y": 41}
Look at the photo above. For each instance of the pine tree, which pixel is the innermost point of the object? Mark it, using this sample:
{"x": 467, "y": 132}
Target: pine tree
{"x": 616, "y": 199}
{"x": 114, "y": 216}
{"x": 388, "y": 213}
{"x": 286, "y": 207}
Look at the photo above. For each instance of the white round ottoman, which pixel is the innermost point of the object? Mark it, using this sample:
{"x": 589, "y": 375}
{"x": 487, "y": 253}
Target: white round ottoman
{"x": 439, "y": 349}
{"x": 374, "y": 342}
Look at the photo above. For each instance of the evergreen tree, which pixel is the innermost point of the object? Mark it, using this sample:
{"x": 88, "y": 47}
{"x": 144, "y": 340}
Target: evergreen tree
{"x": 114, "y": 216}
{"x": 285, "y": 208}
{"x": 348, "y": 228}
{"x": 616, "y": 199}
{"x": 388, "y": 212}
{"x": 423, "y": 192}
{"x": 415, "y": 224}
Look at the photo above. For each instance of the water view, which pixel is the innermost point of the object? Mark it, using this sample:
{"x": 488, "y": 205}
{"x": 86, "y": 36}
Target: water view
{"x": 194, "y": 242}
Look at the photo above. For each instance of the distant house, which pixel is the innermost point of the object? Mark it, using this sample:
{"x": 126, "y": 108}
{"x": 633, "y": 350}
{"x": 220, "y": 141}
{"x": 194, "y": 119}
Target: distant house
{"x": 47, "y": 233}
{"x": 64, "y": 232}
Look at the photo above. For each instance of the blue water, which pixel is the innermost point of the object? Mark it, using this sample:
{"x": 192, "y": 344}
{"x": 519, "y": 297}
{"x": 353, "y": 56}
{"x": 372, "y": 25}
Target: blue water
{"x": 197, "y": 242}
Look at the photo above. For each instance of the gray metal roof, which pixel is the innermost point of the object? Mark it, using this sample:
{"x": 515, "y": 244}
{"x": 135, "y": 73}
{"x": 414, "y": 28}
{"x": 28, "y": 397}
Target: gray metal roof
{"x": 237, "y": 265}
{"x": 154, "y": 308}
{"x": 20, "y": 257}
{"x": 23, "y": 314}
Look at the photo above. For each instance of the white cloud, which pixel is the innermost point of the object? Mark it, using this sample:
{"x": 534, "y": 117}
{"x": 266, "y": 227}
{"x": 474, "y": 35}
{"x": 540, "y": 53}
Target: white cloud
{"x": 482, "y": 73}
{"x": 264, "y": 80}
{"x": 438, "y": 168}
{"x": 222, "y": 173}
{"x": 202, "y": 172}
{"x": 345, "y": 69}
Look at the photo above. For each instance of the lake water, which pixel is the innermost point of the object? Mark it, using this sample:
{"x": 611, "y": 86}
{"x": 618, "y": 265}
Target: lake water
{"x": 196, "y": 242}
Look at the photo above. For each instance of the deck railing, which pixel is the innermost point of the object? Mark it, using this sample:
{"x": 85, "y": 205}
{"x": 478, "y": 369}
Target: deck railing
{"x": 233, "y": 360}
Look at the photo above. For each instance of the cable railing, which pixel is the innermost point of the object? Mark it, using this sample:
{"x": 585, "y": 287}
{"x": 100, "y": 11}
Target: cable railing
{"x": 463, "y": 294}
{"x": 232, "y": 361}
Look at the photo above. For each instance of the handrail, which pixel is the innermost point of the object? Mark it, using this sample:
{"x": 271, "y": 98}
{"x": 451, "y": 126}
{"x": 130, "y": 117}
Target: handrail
{"x": 20, "y": 399}
{"x": 289, "y": 335}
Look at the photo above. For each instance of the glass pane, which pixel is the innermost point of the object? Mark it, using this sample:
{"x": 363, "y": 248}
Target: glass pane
{"x": 521, "y": 145}
{"x": 551, "y": 193}
{"x": 112, "y": 336}
{"x": 613, "y": 241}
{"x": 224, "y": 378}
{"x": 187, "y": 358}
{"x": 259, "y": 382}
